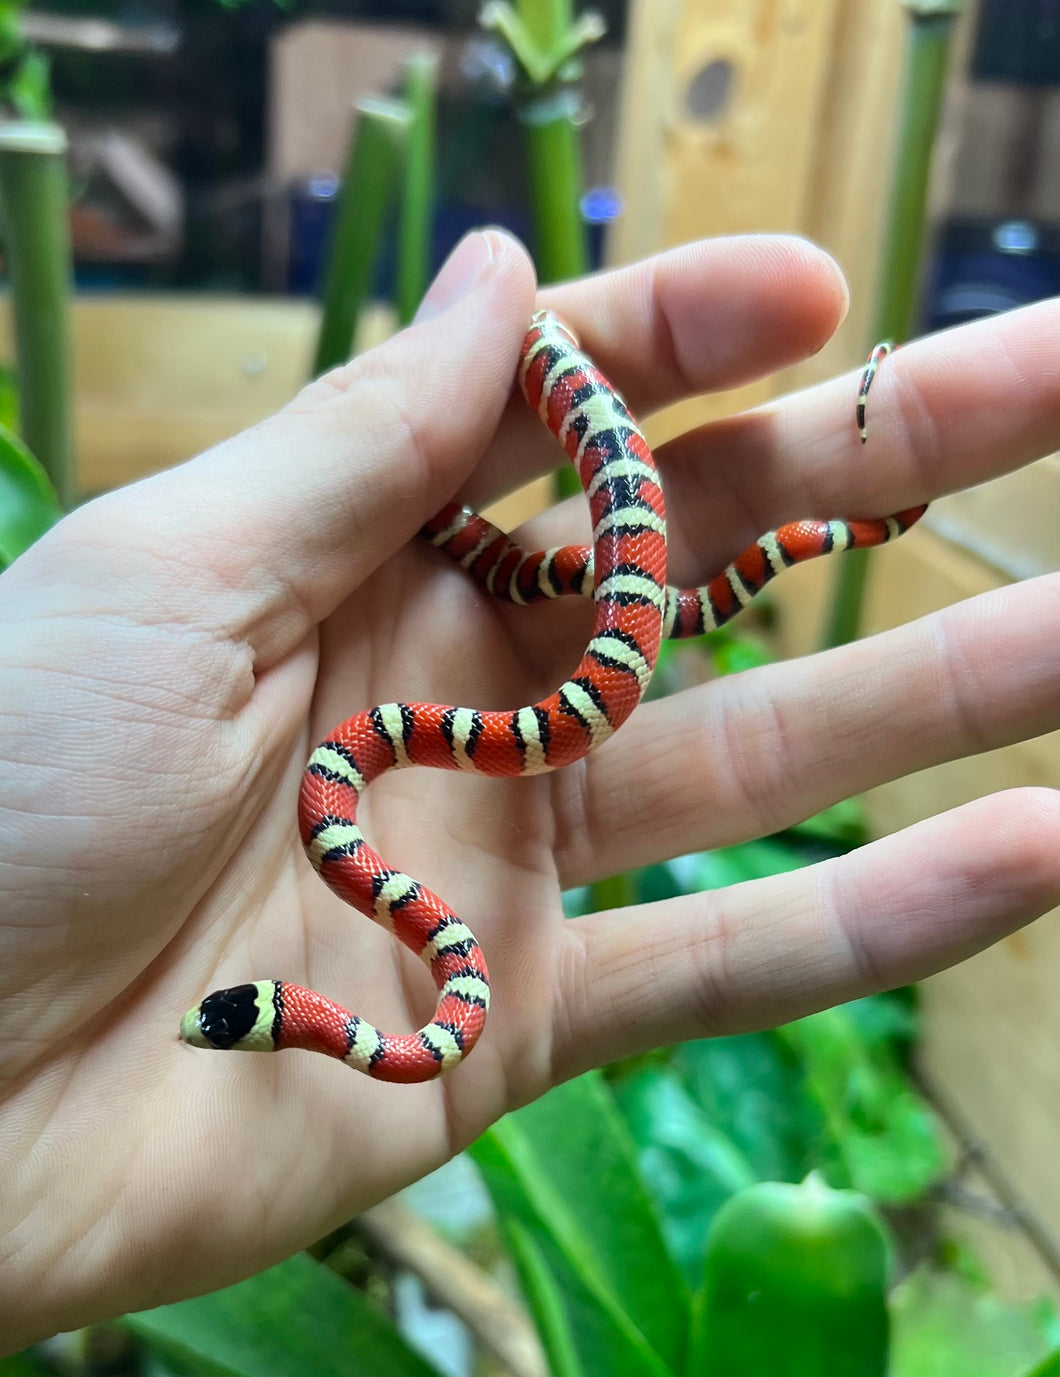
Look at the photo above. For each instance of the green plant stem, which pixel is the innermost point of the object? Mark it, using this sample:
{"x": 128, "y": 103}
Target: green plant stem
{"x": 928, "y": 42}
{"x": 549, "y": 115}
{"x": 34, "y": 195}
{"x": 376, "y": 151}
{"x": 554, "y": 160}
{"x": 554, "y": 156}
{"x": 848, "y": 599}
{"x": 417, "y": 201}
{"x": 545, "y": 39}
{"x": 545, "y": 20}
{"x": 927, "y": 54}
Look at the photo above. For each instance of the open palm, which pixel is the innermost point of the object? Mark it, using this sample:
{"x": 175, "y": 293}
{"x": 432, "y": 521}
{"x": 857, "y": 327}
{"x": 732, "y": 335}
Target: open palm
{"x": 170, "y": 654}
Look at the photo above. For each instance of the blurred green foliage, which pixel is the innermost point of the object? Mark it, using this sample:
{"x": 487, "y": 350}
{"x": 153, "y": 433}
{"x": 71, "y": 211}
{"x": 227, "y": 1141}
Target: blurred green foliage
{"x": 28, "y": 502}
{"x": 624, "y": 1302}
{"x": 294, "y": 1319}
{"x": 943, "y": 1326}
{"x": 25, "y": 89}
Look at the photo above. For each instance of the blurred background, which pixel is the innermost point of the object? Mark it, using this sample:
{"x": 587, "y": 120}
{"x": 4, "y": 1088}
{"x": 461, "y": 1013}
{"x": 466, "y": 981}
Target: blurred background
{"x": 208, "y": 148}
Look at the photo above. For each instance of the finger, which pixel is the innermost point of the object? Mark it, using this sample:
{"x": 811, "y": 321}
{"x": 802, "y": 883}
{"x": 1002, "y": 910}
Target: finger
{"x": 946, "y": 412}
{"x": 706, "y": 316}
{"x": 753, "y": 753}
{"x": 275, "y": 527}
{"x": 767, "y": 951}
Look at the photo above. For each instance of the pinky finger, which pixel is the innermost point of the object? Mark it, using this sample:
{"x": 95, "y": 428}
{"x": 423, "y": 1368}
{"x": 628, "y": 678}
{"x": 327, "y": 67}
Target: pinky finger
{"x": 765, "y": 952}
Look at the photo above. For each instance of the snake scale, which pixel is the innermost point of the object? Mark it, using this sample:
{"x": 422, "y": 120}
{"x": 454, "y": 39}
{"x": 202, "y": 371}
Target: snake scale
{"x": 625, "y": 574}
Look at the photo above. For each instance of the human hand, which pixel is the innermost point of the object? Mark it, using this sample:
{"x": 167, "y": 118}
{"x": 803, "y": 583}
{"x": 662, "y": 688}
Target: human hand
{"x": 170, "y": 654}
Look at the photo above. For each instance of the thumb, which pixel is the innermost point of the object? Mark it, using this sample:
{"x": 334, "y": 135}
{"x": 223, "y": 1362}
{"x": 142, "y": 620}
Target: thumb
{"x": 281, "y": 523}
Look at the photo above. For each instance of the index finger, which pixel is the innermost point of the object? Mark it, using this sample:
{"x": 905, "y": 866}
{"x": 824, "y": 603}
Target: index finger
{"x": 704, "y": 317}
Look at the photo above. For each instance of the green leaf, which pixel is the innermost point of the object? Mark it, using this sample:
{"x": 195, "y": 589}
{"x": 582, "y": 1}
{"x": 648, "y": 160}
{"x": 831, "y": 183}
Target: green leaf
{"x": 1048, "y": 1367}
{"x": 293, "y": 1319}
{"x": 544, "y": 1299}
{"x": 664, "y": 881}
{"x": 564, "y": 1168}
{"x": 601, "y": 1333}
{"x": 888, "y": 1020}
{"x": 688, "y": 1164}
{"x": 29, "y": 89}
{"x": 841, "y": 825}
{"x": 751, "y": 860}
{"x": 886, "y": 1133}
{"x": 11, "y": 39}
{"x": 28, "y": 504}
{"x": 592, "y": 1322}
{"x": 942, "y": 1327}
{"x": 22, "y": 1365}
{"x": 733, "y": 653}
{"x": 749, "y": 1086}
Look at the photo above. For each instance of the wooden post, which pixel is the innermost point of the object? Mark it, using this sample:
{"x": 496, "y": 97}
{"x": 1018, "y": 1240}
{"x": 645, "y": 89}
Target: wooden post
{"x": 719, "y": 133}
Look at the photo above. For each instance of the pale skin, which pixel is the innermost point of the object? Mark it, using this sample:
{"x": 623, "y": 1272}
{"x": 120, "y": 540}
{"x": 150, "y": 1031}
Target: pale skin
{"x": 170, "y": 654}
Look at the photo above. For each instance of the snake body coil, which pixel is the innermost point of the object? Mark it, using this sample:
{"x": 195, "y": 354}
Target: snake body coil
{"x": 626, "y": 573}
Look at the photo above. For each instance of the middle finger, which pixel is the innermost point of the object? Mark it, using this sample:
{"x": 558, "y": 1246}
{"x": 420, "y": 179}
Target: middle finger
{"x": 949, "y": 411}
{"x": 699, "y": 318}
{"x": 753, "y": 753}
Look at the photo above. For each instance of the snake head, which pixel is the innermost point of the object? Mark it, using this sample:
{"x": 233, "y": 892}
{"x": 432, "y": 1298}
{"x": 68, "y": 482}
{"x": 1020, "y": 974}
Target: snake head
{"x": 240, "y": 1019}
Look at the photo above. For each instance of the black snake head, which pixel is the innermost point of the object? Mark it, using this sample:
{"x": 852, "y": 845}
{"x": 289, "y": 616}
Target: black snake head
{"x": 238, "y": 1019}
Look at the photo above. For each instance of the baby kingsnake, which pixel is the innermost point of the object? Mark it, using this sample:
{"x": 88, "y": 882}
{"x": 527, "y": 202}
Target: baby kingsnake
{"x": 625, "y": 572}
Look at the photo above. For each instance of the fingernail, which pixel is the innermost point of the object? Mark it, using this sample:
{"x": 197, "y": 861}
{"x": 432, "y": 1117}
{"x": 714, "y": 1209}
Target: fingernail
{"x": 460, "y": 274}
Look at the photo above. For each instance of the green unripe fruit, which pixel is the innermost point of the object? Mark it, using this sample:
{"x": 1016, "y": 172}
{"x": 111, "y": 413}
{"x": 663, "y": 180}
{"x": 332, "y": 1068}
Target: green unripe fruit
{"x": 795, "y": 1286}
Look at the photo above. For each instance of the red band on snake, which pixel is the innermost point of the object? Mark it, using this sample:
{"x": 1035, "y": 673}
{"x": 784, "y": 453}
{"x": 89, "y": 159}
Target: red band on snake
{"x": 625, "y": 572}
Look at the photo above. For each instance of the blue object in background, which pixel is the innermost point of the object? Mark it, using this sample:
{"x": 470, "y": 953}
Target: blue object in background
{"x": 311, "y": 208}
{"x": 599, "y": 207}
{"x": 983, "y": 266}
{"x": 312, "y": 204}
{"x": 453, "y": 219}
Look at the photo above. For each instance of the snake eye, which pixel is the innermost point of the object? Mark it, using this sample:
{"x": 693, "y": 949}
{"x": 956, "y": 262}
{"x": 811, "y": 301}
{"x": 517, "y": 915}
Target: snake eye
{"x": 227, "y": 1016}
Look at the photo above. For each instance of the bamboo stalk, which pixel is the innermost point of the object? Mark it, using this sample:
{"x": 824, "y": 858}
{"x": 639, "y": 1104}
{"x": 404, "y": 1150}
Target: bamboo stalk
{"x": 554, "y": 164}
{"x": 545, "y": 39}
{"x": 928, "y": 41}
{"x": 376, "y": 150}
{"x": 544, "y": 20}
{"x": 34, "y": 194}
{"x": 417, "y": 201}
